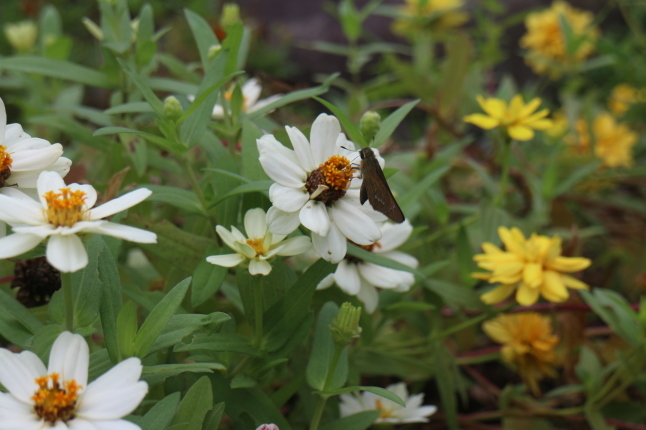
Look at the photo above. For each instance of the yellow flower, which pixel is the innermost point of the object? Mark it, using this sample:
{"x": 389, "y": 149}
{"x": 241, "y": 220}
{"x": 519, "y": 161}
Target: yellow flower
{"x": 518, "y": 118}
{"x": 531, "y": 267}
{"x": 559, "y": 125}
{"x": 21, "y": 35}
{"x": 623, "y": 96}
{"x": 546, "y": 42}
{"x": 528, "y": 344}
{"x": 613, "y": 141}
{"x": 418, "y": 15}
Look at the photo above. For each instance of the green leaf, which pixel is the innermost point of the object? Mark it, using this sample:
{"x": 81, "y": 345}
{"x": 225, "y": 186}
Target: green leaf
{"x": 251, "y": 166}
{"x": 160, "y": 415}
{"x": 413, "y": 196}
{"x": 203, "y": 35}
{"x": 358, "y": 421}
{"x": 183, "y": 325}
{"x": 455, "y": 69}
{"x": 56, "y": 69}
{"x": 177, "y": 197}
{"x": 110, "y": 302}
{"x": 251, "y": 187}
{"x": 195, "y": 405}
{"x": 350, "y": 20}
{"x": 159, "y": 317}
{"x": 43, "y": 340}
{"x": 465, "y": 257}
{"x": 445, "y": 377}
{"x": 581, "y": 173}
{"x": 162, "y": 142}
{"x": 133, "y": 107}
{"x": 221, "y": 342}
{"x": 127, "y": 330}
{"x": 455, "y": 295}
{"x": 214, "y": 416}
{"x": 144, "y": 89}
{"x": 14, "y": 313}
{"x": 75, "y": 130}
{"x": 155, "y": 375}
{"x": 323, "y": 349}
{"x": 207, "y": 277}
{"x": 389, "y": 124}
{"x": 371, "y": 257}
{"x": 351, "y": 130}
{"x": 86, "y": 285}
{"x": 203, "y": 96}
{"x": 382, "y": 392}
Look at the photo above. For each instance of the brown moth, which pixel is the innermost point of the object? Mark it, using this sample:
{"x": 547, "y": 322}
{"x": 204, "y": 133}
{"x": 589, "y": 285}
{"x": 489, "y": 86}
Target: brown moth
{"x": 375, "y": 189}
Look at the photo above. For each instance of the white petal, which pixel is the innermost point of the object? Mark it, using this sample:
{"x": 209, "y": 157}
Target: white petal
{"x": 13, "y": 134}
{"x": 90, "y": 193}
{"x": 326, "y": 282}
{"x": 11, "y": 408}
{"x": 115, "y": 425}
{"x": 255, "y": 224}
{"x": 314, "y": 216}
{"x": 80, "y": 424}
{"x": 42, "y": 231}
{"x": 114, "y": 394}
{"x": 119, "y": 204}
{"x": 66, "y": 253}
{"x": 350, "y": 405}
{"x": 394, "y": 235}
{"x": 16, "y": 244}
{"x": 218, "y": 112}
{"x": 302, "y": 148}
{"x": 268, "y": 143}
{"x": 347, "y": 277}
{"x": 352, "y": 196}
{"x": 400, "y": 257}
{"x": 295, "y": 246}
{"x": 48, "y": 181}
{"x": 3, "y": 123}
{"x": 121, "y": 231}
{"x": 332, "y": 247}
{"x": 380, "y": 276}
{"x": 323, "y": 135}
{"x": 369, "y": 296}
{"x": 36, "y": 159}
{"x": 29, "y": 143}
{"x": 70, "y": 358}
{"x": 353, "y": 223}
{"x": 61, "y": 166}
{"x": 264, "y": 102}
{"x": 251, "y": 91}
{"x": 245, "y": 249}
{"x": 281, "y": 222}
{"x": 226, "y": 260}
{"x": 259, "y": 267}
{"x": 20, "y": 210}
{"x": 239, "y": 237}
{"x": 17, "y": 376}
{"x": 282, "y": 170}
{"x": 288, "y": 199}
{"x": 226, "y": 236}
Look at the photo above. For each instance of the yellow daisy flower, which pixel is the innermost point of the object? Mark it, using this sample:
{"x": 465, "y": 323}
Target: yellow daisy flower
{"x": 528, "y": 344}
{"x": 622, "y": 96}
{"x": 419, "y": 15}
{"x": 519, "y": 119}
{"x": 546, "y": 41}
{"x": 531, "y": 267}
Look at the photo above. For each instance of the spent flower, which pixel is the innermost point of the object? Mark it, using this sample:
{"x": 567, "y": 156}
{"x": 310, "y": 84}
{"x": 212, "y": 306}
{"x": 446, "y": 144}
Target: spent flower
{"x": 259, "y": 246}
{"x": 59, "y": 396}
{"x": 61, "y": 214}
{"x": 528, "y": 344}
{"x": 530, "y": 267}
{"x": 517, "y": 118}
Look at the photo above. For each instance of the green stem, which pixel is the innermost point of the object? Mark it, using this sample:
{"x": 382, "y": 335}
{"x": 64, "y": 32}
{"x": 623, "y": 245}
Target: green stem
{"x": 258, "y": 309}
{"x": 186, "y": 166}
{"x": 504, "y": 179}
{"x": 318, "y": 413}
{"x": 320, "y": 405}
{"x": 68, "y": 295}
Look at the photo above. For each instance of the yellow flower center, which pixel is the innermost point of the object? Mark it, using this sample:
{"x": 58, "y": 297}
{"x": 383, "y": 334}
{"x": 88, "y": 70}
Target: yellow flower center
{"x": 54, "y": 401}
{"x": 329, "y": 182}
{"x": 5, "y": 164}
{"x": 257, "y": 245}
{"x": 228, "y": 95}
{"x": 384, "y": 412}
{"x": 66, "y": 207}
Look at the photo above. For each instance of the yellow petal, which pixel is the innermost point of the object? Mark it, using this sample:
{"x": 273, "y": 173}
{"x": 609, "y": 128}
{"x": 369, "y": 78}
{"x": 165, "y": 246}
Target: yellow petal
{"x": 526, "y": 295}
{"x": 537, "y": 116}
{"x": 514, "y": 240}
{"x": 490, "y": 248}
{"x": 497, "y": 331}
{"x": 498, "y": 294}
{"x": 533, "y": 274}
{"x": 483, "y": 121}
{"x": 574, "y": 283}
{"x": 553, "y": 288}
{"x": 568, "y": 264}
{"x": 542, "y": 124}
{"x": 494, "y": 107}
{"x": 530, "y": 107}
{"x": 520, "y": 132}
{"x": 516, "y": 105}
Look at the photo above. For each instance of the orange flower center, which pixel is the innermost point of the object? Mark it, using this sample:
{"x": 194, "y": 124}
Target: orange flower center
{"x": 384, "y": 412}
{"x": 257, "y": 245}
{"x": 329, "y": 182}
{"x": 54, "y": 401}
{"x": 66, "y": 207}
{"x": 228, "y": 95}
{"x": 5, "y": 164}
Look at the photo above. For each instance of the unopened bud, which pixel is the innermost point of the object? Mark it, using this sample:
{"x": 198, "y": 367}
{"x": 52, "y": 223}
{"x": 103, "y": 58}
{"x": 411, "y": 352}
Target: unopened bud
{"x": 345, "y": 326}
{"x": 213, "y": 50}
{"x": 21, "y": 35}
{"x": 230, "y": 15}
{"x": 369, "y": 124}
{"x": 172, "y": 108}
{"x": 94, "y": 29}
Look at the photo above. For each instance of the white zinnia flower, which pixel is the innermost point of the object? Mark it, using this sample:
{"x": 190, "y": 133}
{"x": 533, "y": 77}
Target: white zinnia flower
{"x": 359, "y": 278}
{"x": 312, "y": 188}
{"x": 250, "y": 94}
{"x": 268, "y": 427}
{"x": 59, "y": 396}
{"x": 391, "y": 412}
{"x": 23, "y": 157}
{"x": 63, "y": 212}
{"x": 260, "y": 246}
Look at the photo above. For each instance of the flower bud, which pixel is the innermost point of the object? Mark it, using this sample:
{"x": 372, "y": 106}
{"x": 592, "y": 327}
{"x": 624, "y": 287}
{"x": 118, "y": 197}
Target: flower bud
{"x": 369, "y": 124}
{"x": 172, "y": 108}
{"x": 268, "y": 427}
{"x": 230, "y": 15}
{"x": 21, "y": 35}
{"x": 345, "y": 326}
{"x": 213, "y": 50}
{"x": 94, "y": 29}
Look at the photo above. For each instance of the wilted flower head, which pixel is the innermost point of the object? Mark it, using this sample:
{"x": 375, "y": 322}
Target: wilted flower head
{"x": 21, "y": 35}
{"x": 23, "y": 158}
{"x": 613, "y": 142}
{"x": 60, "y": 397}
{"x": 260, "y": 246}
{"x": 61, "y": 214}
{"x": 433, "y": 15}
{"x": 528, "y": 344}
{"x": 546, "y": 39}
{"x": 532, "y": 267}
{"x": 517, "y": 118}
{"x": 391, "y": 412}
{"x": 361, "y": 278}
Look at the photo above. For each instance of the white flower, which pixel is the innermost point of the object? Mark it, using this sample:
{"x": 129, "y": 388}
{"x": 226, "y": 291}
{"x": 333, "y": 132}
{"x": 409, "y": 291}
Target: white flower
{"x": 59, "y": 396}
{"x": 63, "y": 212}
{"x": 312, "y": 188}
{"x": 391, "y": 412}
{"x": 250, "y": 94}
{"x": 359, "y": 278}
{"x": 260, "y": 246}
{"x": 268, "y": 427}
{"x": 23, "y": 157}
